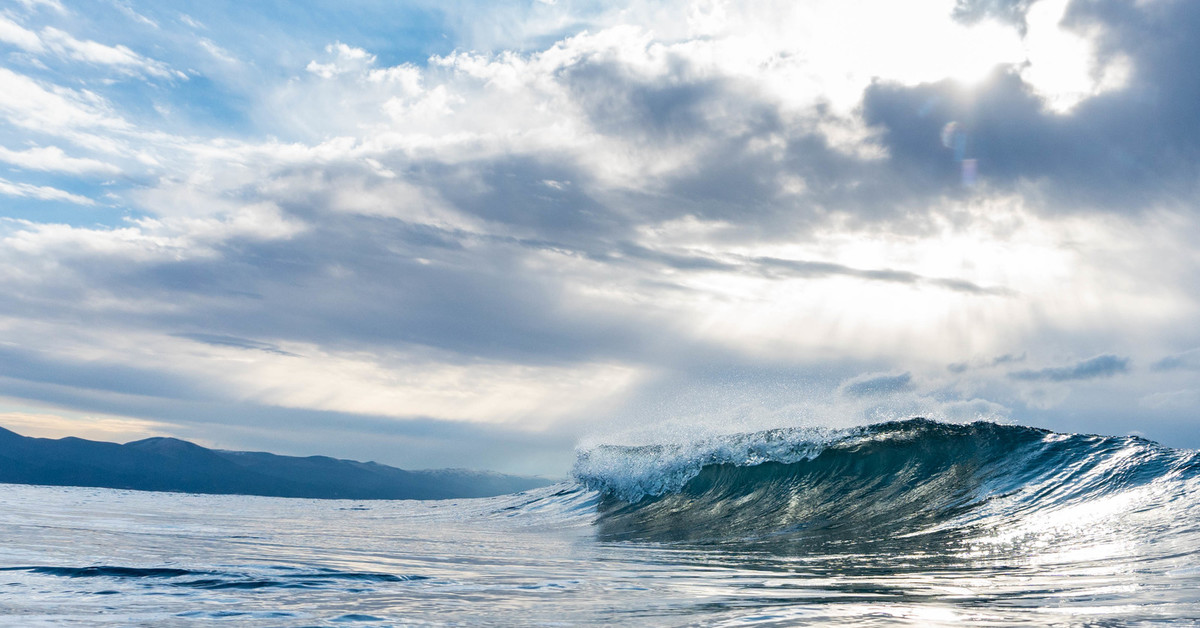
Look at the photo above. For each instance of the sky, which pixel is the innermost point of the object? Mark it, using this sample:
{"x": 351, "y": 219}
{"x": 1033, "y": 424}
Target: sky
{"x": 481, "y": 234}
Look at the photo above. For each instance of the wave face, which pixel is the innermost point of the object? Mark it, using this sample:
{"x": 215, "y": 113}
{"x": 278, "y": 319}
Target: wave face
{"x": 882, "y": 484}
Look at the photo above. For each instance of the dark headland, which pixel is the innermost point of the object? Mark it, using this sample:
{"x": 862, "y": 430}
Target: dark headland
{"x": 170, "y": 464}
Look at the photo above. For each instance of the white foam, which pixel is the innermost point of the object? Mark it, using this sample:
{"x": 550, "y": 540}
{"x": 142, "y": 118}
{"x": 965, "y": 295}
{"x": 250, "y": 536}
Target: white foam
{"x": 631, "y": 473}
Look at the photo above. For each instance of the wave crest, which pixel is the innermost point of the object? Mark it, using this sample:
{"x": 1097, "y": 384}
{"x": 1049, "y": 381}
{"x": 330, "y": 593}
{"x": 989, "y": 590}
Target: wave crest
{"x": 894, "y": 478}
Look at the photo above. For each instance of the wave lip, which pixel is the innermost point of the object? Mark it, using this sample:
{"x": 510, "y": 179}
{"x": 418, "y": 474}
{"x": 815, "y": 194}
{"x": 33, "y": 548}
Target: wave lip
{"x": 633, "y": 473}
{"x": 869, "y": 484}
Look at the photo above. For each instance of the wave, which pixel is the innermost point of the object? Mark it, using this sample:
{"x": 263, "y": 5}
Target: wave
{"x": 105, "y": 571}
{"x": 275, "y": 577}
{"x": 877, "y": 483}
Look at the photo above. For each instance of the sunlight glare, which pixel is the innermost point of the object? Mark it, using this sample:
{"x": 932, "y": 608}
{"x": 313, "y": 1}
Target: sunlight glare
{"x": 977, "y": 50}
{"x": 1061, "y": 63}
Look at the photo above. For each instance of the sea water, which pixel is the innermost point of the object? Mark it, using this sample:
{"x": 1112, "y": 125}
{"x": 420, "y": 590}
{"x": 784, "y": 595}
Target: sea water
{"x": 904, "y": 523}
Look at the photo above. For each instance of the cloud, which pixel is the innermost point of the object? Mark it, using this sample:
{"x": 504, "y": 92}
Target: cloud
{"x": 1100, "y": 366}
{"x": 119, "y": 57}
{"x": 41, "y": 192}
{"x": 53, "y": 159}
{"x": 17, "y": 35}
{"x": 820, "y": 269}
{"x": 345, "y": 59}
{"x": 54, "y": 5}
{"x": 581, "y": 217}
{"x": 92, "y": 427}
{"x": 876, "y": 384}
{"x": 1126, "y": 146}
{"x": 52, "y": 109}
{"x": 1187, "y": 360}
{"x": 1000, "y": 360}
{"x": 1173, "y": 400}
{"x": 33, "y": 366}
{"x": 233, "y": 341}
{"x": 1012, "y": 11}
{"x": 401, "y": 382}
{"x": 1007, "y": 358}
{"x": 414, "y": 443}
{"x": 192, "y": 22}
{"x": 129, "y": 12}
{"x": 66, "y": 46}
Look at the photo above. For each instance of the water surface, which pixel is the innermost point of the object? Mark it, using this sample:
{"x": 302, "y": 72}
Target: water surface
{"x": 912, "y": 522}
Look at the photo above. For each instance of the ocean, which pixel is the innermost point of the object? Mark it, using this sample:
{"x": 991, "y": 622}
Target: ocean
{"x": 902, "y": 523}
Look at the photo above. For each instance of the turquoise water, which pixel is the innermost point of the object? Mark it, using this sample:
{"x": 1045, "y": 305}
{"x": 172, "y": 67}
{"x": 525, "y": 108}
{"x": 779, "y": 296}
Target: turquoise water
{"x": 907, "y": 523}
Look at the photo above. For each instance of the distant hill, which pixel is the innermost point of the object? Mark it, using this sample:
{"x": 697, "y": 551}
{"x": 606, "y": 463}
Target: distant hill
{"x": 170, "y": 464}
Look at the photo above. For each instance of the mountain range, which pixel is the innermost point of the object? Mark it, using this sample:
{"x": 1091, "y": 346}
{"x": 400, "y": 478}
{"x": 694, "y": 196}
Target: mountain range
{"x": 170, "y": 464}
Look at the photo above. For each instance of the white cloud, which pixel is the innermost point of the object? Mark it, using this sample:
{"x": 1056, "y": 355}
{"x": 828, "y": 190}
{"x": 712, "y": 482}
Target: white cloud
{"x": 397, "y": 382}
{"x": 124, "y": 7}
{"x": 55, "y": 5}
{"x": 29, "y": 104}
{"x": 192, "y": 22}
{"x": 66, "y": 46}
{"x": 53, "y": 159}
{"x": 34, "y": 244}
{"x": 58, "y": 422}
{"x": 145, "y": 240}
{"x": 41, "y": 192}
{"x": 216, "y": 51}
{"x": 528, "y": 397}
{"x": 256, "y": 222}
{"x": 119, "y": 57}
{"x": 345, "y": 59}
{"x": 19, "y": 36}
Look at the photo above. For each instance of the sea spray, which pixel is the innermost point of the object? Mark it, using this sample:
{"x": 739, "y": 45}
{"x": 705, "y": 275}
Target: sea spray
{"x": 634, "y": 472}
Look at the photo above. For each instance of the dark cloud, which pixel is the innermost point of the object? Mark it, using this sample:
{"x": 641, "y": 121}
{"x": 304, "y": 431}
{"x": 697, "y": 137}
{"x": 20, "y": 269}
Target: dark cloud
{"x": 516, "y": 191}
{"x": 378, "y": 283}
{"x": 355, "y": 283}
{"x": 874, "y": 384}
{"x": 1100, "y": 366}
{"x": 1011, "y": 11}
{"x": 677, "y": 261}
{"x": 28, "y": 365}
{"x": 622, "y": 101}
{"x": 1188, "y": 360}
{"x": 1000, "y": 360}
{"x": 233, "y": 341}
{"x": 826, "y": 269}
{"x": 1126, "y": 150}
{"x": 1007, "y": 358}
{"x": 719, "y": 123}
{"x": 623, "y": 253}
{"x": 734, "y": 180}
{"x": 382, "y": 295}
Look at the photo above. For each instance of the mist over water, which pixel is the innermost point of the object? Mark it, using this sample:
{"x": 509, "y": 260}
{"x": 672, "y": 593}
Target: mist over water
{"x": 908, "y": 522}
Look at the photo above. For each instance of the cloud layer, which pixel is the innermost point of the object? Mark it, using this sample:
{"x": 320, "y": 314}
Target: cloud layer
{"x": 559, "y": 220}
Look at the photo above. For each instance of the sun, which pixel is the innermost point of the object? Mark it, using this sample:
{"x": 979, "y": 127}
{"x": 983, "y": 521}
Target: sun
{"x": 1061, "y": 64}
{"x": 972, "y": 53}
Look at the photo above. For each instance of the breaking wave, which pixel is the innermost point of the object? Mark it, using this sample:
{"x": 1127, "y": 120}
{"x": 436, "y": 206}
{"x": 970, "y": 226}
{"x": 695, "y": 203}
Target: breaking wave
{"x": 884, "y": 483}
